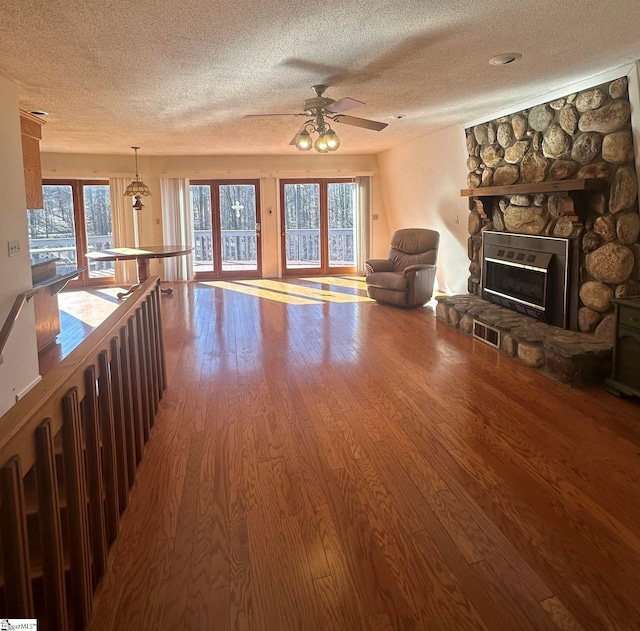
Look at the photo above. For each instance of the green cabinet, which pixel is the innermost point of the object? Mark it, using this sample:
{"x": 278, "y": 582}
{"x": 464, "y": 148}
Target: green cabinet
{"x": 625, "y": 373}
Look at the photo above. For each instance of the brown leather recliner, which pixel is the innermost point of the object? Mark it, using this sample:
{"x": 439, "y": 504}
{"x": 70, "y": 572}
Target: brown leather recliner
{"x": 407, "y": 276}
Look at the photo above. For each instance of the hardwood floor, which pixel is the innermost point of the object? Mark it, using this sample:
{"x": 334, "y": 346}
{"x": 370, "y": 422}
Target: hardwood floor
{"x": 328, "y": 464}
{"x": 80, "y": 312}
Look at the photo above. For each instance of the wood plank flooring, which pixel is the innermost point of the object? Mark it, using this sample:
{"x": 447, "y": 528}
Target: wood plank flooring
{"x": 328, "y": 464}
{"x": 80, "y": 313}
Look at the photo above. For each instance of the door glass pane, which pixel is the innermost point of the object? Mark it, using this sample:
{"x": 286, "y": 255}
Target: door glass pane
{"x": 238, "y": 227}
{"x": 97, "y": 217}
{"x": 342, "y": 209}
{"x": 202, "y": 239}
{"x": 52, "y": 229}
{"x": 302, "y": 225}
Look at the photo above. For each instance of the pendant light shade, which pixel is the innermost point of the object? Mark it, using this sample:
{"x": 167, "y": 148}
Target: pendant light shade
{"x": 137, "y": 188}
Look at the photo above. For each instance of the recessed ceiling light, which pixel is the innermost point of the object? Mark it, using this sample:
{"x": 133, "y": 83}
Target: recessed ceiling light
{"x": 39, "y": 112}
{"x": 504, "y": 59}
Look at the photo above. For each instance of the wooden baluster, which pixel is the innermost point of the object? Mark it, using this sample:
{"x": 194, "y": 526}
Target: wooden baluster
{"x": 109, "y": 466}
{"x": 127, "y": 401}
{"x": 144, "y": 386}
{"x": 155, "y": 311}
{"x": 94, "y": 474}
{"x": 163, "y": 365}
{"x": 50, "y": 528}
{"x": 151, "y": 388}
{"x": 119, "y": 424}
{"x": 147, "y": 362}
{"x": 152, "y": 355}
{"x": 15, "y": 542}
{"x": 134, "y": 374}
{"x": 76, "y": 484}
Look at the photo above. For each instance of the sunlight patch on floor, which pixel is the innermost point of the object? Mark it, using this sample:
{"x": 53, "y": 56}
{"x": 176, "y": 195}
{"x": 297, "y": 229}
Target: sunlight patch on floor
{"x": 259, "y": 293}
{"x": 309, "y": 292}
{"x": 90, "y": 306}
{"x": 353, "y": 282}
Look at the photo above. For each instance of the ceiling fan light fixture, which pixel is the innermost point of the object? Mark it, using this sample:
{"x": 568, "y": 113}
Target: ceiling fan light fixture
{"x": 331, "y": 139}
{"x": 319, "y": 112}
{"x": 321, "y": 145}
{"x": 303, "y": 141}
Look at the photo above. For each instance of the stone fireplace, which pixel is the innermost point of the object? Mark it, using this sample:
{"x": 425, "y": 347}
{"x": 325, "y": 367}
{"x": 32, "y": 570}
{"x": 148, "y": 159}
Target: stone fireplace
{"x": 554, "y": 228}
{"x": 564, "y": 169}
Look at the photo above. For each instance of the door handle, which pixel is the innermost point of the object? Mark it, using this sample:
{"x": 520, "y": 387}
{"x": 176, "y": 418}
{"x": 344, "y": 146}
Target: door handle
{"x": 257, "y": 228}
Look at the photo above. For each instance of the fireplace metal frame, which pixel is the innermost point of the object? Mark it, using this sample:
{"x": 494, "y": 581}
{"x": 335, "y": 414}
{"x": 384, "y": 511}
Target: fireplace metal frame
{"x": 561, "y": 276}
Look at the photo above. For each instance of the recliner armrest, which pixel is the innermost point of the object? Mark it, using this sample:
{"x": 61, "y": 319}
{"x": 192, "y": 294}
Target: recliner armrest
{"x": 378, "y": 265}
{"x": 417, "y": 268}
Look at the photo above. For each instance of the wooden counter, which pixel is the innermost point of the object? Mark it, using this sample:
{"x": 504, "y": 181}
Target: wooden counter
{"x": 45, "y": 306}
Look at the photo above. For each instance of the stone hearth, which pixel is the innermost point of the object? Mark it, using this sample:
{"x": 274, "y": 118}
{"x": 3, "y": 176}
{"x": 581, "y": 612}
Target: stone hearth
{"x": 571, "y": 357}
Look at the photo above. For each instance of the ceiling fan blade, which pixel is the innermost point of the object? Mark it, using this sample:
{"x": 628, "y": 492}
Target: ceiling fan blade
{"x": 361, "y": 122}
{"x": 343, "y": 105}
{"x": 259, "y": 115}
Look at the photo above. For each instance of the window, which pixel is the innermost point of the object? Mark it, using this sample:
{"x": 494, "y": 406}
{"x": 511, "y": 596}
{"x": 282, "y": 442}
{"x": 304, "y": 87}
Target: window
{"x": 318, "y": 226}
{"x": 76, "y": 219}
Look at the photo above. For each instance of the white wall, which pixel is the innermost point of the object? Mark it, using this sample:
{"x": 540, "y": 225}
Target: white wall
{"x": 420, "y": 183}
{"x": 268, "y": 168}
{"x": 634, "y": 101}
{"x": 19, "y": 369}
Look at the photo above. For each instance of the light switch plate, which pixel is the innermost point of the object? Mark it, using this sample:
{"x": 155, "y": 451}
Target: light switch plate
{"x": 14, "y": 247}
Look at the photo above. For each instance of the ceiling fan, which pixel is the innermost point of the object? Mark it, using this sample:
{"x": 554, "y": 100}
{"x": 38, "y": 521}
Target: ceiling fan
{"x": 320, "y": 111}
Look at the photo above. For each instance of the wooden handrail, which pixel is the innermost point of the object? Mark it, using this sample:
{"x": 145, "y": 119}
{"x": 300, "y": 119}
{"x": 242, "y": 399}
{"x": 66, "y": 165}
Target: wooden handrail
{"x": 54, "y": 285}
{"x": 13, "y": 315}
{"x": 91, "y": 415}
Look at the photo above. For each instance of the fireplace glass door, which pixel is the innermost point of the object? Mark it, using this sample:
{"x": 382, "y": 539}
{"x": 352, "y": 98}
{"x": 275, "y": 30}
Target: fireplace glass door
{"x": 527, "y": 286}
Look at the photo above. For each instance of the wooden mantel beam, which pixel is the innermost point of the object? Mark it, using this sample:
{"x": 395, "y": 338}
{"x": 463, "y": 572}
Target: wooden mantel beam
{"x": 551, "y": 186}
{"x": 573, "y": 194}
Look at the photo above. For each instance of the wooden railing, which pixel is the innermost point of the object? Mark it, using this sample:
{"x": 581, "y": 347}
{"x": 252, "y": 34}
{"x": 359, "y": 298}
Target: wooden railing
{"x": 68, "y": 457}
{"x": 53, "y": 286}
{"x": 12, "y": 316}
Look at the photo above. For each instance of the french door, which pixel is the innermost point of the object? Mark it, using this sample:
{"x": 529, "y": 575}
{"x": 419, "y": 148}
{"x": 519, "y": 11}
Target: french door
{"x": 318, "y": 226}
{"x": 76, "y": 219}
{"x": 226, "y": 228}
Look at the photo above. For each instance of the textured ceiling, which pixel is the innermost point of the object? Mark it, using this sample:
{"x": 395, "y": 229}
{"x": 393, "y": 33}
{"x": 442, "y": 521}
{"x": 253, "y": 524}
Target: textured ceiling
{"x": 176, "y": 78}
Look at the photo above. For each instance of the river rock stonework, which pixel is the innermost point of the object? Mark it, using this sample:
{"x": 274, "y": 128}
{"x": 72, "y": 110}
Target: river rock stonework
{"x": 570, "y": 357}
{"x": 586, "y": 135}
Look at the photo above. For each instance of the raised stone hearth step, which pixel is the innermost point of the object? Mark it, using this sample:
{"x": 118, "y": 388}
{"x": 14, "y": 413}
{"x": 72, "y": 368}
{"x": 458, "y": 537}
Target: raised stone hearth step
{"x": 571, "y": 357}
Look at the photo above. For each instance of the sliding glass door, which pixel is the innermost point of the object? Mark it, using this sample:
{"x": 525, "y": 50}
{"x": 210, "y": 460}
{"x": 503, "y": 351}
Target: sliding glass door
{"x": 76, "y": 219}
{"x": 318, "y": 226}
{"x": 226, "y": 228}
